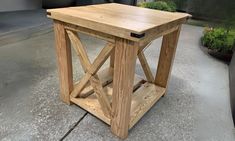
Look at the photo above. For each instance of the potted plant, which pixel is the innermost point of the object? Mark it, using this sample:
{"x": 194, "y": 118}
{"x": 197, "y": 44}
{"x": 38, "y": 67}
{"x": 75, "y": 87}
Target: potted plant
{"x": 219, "y": 42}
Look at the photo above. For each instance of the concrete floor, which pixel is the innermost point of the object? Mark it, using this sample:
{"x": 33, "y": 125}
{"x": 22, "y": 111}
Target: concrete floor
{"x": 196, "y": 107}
{"x": 20, "y": 20}
{"x": 21, "y": 25}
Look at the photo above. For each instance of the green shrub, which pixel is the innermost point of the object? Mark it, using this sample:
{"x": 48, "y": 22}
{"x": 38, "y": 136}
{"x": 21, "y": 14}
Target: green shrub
{"x": 160, "y": 5}
{"x": 219, "y": 39}
{"x": 171, "y": 4}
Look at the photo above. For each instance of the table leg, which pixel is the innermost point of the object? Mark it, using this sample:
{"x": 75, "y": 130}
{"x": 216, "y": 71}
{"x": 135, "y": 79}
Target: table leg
{"x": 124, "y": 70}
{"x": 169, "y": 44}
{"x": 64, "y": 61}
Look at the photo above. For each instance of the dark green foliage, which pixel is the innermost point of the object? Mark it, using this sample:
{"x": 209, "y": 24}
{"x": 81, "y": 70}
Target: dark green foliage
{"x": 219, "y": 39}
{"x": 171, "y": 4}
{"x": 160, "y": 5}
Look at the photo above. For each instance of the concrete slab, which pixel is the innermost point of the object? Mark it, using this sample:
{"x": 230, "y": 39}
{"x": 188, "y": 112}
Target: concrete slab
{"x": 21, "y": 25}
{"x": 21, "y": 20}
{"x": 30, "y": 108}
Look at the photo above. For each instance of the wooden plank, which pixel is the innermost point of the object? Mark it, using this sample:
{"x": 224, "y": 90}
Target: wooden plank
{"x": 64, "y": 61}
{"x": 81, "y": 85}
{"x": 144, "y": 46}
{"x": 143, "y": 99}
{"x": 91, "y": 68}
{"x": 79, "y": 49}
{"x": 112, "y": 57}
{"x": 92, "y": 105}
{"x": 117, "y": 16}
{"x": 124, "y": 69}
{"x": 118, "y": 20}
{"x": 145, "y": 66}
{"x": 167, "y": 54}
{"x": 90, "y": 32}
{"x": 101, "y": 58}
{"x": 160, "y": 31}
{"x": 101, "y": 95}
{"x": 106, "y": 77}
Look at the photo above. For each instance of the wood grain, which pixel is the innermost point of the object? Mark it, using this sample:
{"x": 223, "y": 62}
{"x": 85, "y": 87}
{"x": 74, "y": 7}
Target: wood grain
{"x": 90, "y": 32}
{"x": 117, "y": 19}
{"x": 160, "y": 31}
{"x": 124, "y": 68}
{"x": 106, "y": 77}
{"x": 90, "y": 69}
{"x": 145, "y": 67}
{"x": 144, "y": 46}
{"x": 91, "y": 103}
{"x": 64, "y": 61}
{"x": 112, "y": 57}
{"x": 79, "y": 49}
{"x": 167, "y": 54}
{"x": 81, "y": 85}
{"x": 143, "y": 99}
{"x": 101, "y": 58}
{"x": 101, "y": 95}
{"x": 120, "y": 101}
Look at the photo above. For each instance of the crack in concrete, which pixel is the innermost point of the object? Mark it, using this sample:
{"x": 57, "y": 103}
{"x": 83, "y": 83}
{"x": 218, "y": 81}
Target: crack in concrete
{"x": 75, "y": 125}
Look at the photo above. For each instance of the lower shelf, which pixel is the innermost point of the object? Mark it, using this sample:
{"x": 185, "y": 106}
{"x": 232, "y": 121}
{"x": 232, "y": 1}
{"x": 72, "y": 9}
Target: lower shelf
{"x": 143, "y": 98}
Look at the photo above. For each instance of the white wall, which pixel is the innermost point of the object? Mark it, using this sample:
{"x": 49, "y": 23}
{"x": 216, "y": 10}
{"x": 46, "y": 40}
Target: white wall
{"x": 13, "y": 5}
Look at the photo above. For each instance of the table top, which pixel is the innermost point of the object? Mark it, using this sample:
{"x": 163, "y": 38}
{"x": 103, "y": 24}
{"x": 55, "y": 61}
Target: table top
{"x": 117, "y": 19}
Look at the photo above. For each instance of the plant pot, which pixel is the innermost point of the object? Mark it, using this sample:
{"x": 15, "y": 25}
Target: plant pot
{"x": 220, "y": 55}
{"x": 226, "y": 57}
{"x": 56, "y": 3}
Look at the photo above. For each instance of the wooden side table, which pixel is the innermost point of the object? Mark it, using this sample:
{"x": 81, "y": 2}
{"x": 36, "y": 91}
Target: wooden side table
{"x": 115, "y": 95}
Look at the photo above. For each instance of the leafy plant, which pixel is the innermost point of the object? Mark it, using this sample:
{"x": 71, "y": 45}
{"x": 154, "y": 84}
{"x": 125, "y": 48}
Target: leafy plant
{"x": 160, "y": 5}
{"x": 219, "y": 39}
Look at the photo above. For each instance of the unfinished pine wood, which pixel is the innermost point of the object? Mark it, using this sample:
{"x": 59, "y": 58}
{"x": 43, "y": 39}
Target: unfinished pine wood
{"x": 79, "y": 49}
{"x": 106, "y": 77}
{"x": 101, "y": 58}
{"x": 93, "y": 68}
{"x": 115, "y": 95}
{"x": 145, "y": 67}
{"x": 91, "y": 32}
{"x": 112, "y": 57}
{"x": 117, "y": 19}
{"x": 144, "y": 46}
{"x": 161, "y": 31}
{"x": 89, "y": 68}
{"x": 91, "y": 103}
{"x": 82, "y": 53}
{"x": 167, "y": 54}
{"x": 124, "y": 68}
{"x": 64, "y": 61}
{"x": 143, "y": 99}
{"x": 81, "y": 85}
{"x": 101, "y": 95}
